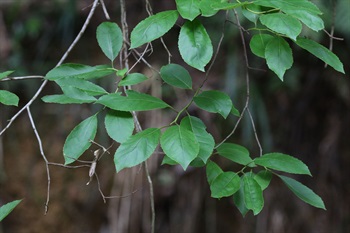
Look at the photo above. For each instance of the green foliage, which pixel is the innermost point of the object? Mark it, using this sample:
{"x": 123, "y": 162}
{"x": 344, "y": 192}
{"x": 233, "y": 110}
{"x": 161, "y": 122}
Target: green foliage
{"x": 7, "y": 208}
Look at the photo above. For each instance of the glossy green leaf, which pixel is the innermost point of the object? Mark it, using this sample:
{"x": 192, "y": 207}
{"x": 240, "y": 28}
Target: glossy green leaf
{"x": 214, "y": 101}
{"x": 235, "y": 153}
{"x": 136, "y": 148}
{"x": 263, "y": 178}
{"x": 188, "y": 9}
{"x": 282, "y": 23}
{"x": 132, "y": 79}
{"x": 213, "y": 170}
{"x": 179, "y": 144}
{"x": 119, "y": 125}
{"x": 288, "y": 5}
{"x": 278, "y": 56}
{"x": 79, "y": 71}
{"x": 238, "y": 199}
{"x": 110, "y": 39}
{"x": 253, "y": 195}
{"x": 5, "y": 74}
{"x": 282, "y": 162}
{"x": 176, "y": 76}
{"x": 8, "y": 98}
{"x": 250, "y": 12}
{"x": 205, "y": 140}
{"x": 78, "y": 141}
{"x": 7, "y": 208}
{"x": 134, "y": 101}
{"x": 303, "y": 192}
{"x": 63, "y": 99}
{"x": 206, "y": 9}
{"x": 77, "y": 93}
{"x": 195, "y": 45}
{"x": 321, "y": 52}
{"x": 227, "y": 5}
{"x": 258, "y": 44}
{"x": 81, "y": 84}
{"x": 153, "y": 27}
{"x": 225, "y": 185}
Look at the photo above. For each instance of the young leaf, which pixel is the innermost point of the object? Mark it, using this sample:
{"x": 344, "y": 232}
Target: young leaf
{"x": 119, "y": 125}
{"x": 282, "y": 162}
{"x": 136, "y": 148}
{"x": 81, "y": 84}
{"x": 7, "y": 208}
{"x": 321, "y": 52}
{"x": 278, "y": 56}
{"x": 303, "y": 192}
{"x": 8, "y": 98}
{"x": 213, "y": 171}
{"x": 235, "y": 153}
{"x": 79, "y": 71}
{"x": 78, "y": 141}
{"x": 205, "y": 140}
{"x": 134, "y": 101}
{"x": 253, "y": 195}
{"x": 176, "y": 76}
{"x": 238, "y": 199}
{"x": 188, "y": 9}
{"x": 214, "y": 101}
{"x": 179, "y": 144}
{"x": 263, "y": 178}
{"x": 153, "y": 27}
{"x": 63, "y": 99}
{"x": 282, "y": 23}
{"x": 110, "y": 39}
{"x": 195, "y": 45}
{"x": 5, "y": 74}
{"x": 225, "y": 185}
{"x": 132, "y": 79}
{"x": 258, "y": 44}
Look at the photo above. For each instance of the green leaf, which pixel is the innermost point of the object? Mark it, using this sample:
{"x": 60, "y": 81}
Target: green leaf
{"x": 303, "y": 192}
{"x": 176, "y": 76}
{"x": 8, "y": 98}
{"x": 322, "y": 53}
{"x": 153, "y": 27}
{"x": 81, "y": 84}
{"x": 227, "y": 5}
{"x": 258, "y": 44}
{"x": 134, "y": 101}
{"x": 278, "y": 56}
{"x": 78, "y": 141}
{"x": 213, "y": 170}
{"x": 263, "y": 178}
{"x": 188, "y": 9}
{"x": 282, "y": 23}
{"x": 63, "y": 99}
{"x": 253, "y": 195}
{"x": 79, "y": 71}
{"x": 235, "y": 153}
{"x": 132, "y": 79}
{"x": 282, "y": 162}
{"x": 205, "y": 140}
{"x": 179, "y": 144}
{"x": 288, "y": 5}
{"x": 77, "y": 93}
{"x": 206, "y": 9}
{"x": 248, "y": 10}
{"x": 5, "y": 74}
{"x": 119, "y": 125}
{"x": 110, "y": 39}
{"x": 214, "y": 101}
{"x": 137, "y": 148}
{"x": 238, "y": 199}
{"x": 7, "y": 208}
{"x": 195, "y": 45}
{"x": 225, "y": 185}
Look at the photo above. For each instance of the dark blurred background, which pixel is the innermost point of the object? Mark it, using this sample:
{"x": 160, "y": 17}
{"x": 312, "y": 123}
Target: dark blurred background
{"x": 307, "y": 116}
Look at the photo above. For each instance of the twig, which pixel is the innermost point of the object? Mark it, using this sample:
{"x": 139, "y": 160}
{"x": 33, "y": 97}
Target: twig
{"x": 44, "y": 157}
